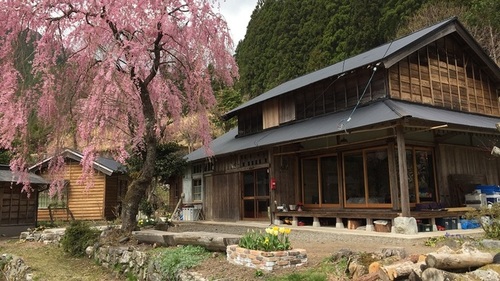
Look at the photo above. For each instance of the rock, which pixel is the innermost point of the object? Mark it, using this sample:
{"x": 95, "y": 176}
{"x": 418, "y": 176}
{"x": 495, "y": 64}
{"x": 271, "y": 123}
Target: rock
{"x": 405, "y": 225}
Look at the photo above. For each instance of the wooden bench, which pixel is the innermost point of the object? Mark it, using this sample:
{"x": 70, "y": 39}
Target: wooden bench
{"x": 367, "y": 214}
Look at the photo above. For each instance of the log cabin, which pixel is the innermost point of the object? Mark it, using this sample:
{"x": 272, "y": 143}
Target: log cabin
{"x": 18, "y": 208}
{"x": 403, "y": 129}
{"x": 100, "y": 202}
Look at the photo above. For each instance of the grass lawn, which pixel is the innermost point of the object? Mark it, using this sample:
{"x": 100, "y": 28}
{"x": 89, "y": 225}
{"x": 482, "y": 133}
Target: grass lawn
{"x": 49, "y": 262}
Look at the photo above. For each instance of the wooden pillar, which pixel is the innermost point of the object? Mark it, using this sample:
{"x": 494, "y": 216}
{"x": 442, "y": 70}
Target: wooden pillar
{"x": 403, "y": 172}
{"x": 272, "y": 194}
{"x": 393, "y": 177}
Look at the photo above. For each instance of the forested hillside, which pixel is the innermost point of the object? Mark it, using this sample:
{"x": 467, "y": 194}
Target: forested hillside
{"x": 289, "y": 38}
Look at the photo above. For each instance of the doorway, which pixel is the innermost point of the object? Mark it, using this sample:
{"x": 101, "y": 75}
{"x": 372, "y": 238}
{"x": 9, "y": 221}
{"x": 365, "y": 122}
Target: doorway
{"x": 255, "y": 194}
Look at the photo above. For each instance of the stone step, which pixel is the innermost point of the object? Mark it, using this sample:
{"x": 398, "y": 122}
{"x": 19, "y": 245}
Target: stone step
{"x": 210, "y": 240}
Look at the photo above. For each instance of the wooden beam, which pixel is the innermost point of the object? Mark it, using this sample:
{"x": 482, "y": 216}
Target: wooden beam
{"x": 403, "y": 172}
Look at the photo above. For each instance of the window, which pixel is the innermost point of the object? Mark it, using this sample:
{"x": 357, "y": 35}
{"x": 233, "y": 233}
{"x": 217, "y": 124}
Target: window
{"x": 421, "y": 182}
{"x": 196, "y": 189}
{"x": 366, "y": 176}
{"x": 44, "y": 200}
{"x": 320, "y": 181}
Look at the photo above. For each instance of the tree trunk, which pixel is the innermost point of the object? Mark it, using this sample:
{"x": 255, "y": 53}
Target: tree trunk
{"x": 438, "y": 275}
{"x": 137, "y": 189}
{"x": 458, "y": 261}
{"x": 398, "y": 270}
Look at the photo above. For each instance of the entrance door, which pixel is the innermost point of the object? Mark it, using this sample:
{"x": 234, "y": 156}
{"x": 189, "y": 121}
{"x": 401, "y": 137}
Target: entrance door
{"x": 255, "y": 194}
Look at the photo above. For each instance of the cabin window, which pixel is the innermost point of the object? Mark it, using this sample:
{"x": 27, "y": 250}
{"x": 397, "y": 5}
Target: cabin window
{"x": 197, "y": 189}
{"x": 250, "y": 121}
{"x": 421, "y": 182}
{"x": 366, "y": 176}
{"x": 320, "y": 181}
{"x": 44, "y": 199}
{"x": 286, "y": 109}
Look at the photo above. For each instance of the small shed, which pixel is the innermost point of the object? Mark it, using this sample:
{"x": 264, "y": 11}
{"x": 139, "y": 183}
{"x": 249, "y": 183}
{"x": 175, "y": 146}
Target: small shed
{"x": 101, "y": 202}
{"x": 18, "y": 209}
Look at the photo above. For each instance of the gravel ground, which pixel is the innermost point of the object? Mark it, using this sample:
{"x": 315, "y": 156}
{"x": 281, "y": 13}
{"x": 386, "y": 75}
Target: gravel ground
{"x": 324, "y": 240}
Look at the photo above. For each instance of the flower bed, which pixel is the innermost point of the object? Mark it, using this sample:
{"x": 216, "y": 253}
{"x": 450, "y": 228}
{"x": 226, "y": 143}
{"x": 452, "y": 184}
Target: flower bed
{"x": 268, "y": 261}
{"x": 266, "y": 251}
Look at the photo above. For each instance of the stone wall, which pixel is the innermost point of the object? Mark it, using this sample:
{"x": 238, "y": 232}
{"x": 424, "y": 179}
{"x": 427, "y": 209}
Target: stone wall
{"x": 126, "y": 260}
{"x": 268, "y": 261}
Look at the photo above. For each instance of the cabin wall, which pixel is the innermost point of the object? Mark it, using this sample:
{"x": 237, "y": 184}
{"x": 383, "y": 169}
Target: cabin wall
{"x": 83, "y": 203}
{"x": 222, "y": 197}
{"x": 443, "y": 75}
{"x": 466, "y": 161}
{"x": 285, "y": 167}
{"x": 116, "y": 188}
{"x": 18, "y": 211}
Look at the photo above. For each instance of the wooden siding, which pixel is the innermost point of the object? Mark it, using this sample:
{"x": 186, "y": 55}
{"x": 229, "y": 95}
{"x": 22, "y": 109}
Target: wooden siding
{"x": 16, "y": 207}
{"x": 454, "y": 159}
{"x": 82, "y": 203}
{"x": 443, "y": 75}
{"x": 116, "y": 187}
{"x": 222, "y": 197}
{"x": 270, "y": 113}
{"x": 286, "y": 166}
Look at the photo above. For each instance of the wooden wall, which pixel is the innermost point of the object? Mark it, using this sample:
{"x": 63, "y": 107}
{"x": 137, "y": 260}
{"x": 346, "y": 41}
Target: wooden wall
{"x": 222, "y": 197}
{"x": 462, "y": 160}
{"x": 82, "y": 203}
{"x": 443, "y": 75}
{"x": 285, "y": 166}
{"x": 16, "y": 207}
{"x": 116, "y": 187}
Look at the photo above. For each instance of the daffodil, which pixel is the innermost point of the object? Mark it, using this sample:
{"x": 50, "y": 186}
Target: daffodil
{"x": 282, "y": 230}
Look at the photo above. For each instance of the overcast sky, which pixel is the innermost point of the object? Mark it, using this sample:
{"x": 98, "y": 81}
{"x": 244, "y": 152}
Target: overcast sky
{"x": 237, "y": 14}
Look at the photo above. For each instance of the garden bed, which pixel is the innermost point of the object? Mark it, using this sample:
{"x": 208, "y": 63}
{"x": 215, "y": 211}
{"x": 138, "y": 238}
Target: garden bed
{"x": 268, "y": 261}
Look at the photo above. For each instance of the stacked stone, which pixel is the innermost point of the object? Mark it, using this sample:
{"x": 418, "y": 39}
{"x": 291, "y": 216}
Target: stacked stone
{"x": 268, "y": 261}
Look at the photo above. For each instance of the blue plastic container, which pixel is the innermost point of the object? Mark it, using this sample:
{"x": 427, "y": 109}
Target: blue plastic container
{"x": 469, "y": 224}
{"x": 488, "y": 189}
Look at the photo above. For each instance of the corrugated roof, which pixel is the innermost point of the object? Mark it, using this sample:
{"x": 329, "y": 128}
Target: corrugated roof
{"x": 375, "y": 113}
{"x": 105, "y": 165}
{"x": 395, "y": 49}
{"x": 8, "y": 176}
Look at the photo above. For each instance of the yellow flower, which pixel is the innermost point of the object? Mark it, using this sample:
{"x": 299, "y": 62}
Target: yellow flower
{"x": 269, "y": 230}
{"x": 287, "y": 230}
{"x": 275, "y": 232}
{"x": 282, "y": 230}
{"x": 266, "y": 241}
{"x": 275, "y": 228}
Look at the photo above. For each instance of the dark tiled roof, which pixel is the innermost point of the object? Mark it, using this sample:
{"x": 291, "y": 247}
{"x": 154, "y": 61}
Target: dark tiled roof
{"x": 375, "y": 113}
{"x": 105, "y": 165}
{"x": 386, "y": 54}
{"x": 8, "y": 176}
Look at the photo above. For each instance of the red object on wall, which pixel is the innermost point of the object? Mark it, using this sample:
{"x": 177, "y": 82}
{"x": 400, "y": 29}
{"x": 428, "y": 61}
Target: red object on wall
{"x": 273, "y": 184}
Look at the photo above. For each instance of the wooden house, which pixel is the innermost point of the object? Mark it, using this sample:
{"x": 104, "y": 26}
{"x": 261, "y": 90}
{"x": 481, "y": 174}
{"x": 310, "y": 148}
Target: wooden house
{"x": 100, "y": 202}
{"x": 406, "y": 126}
{"x": 18, "y": 209}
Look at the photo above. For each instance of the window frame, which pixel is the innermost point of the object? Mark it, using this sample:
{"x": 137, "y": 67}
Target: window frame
{"x": 319, "y": 177}
{"x": 366, "y": 188}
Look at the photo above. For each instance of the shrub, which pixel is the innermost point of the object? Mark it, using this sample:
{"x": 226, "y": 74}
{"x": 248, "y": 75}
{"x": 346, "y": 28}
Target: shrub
{"x": 274, "y": 239}
{"x": 173, "y": 260}
{"x": 77, "y": 237}
{"x": 489, "y": 218}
